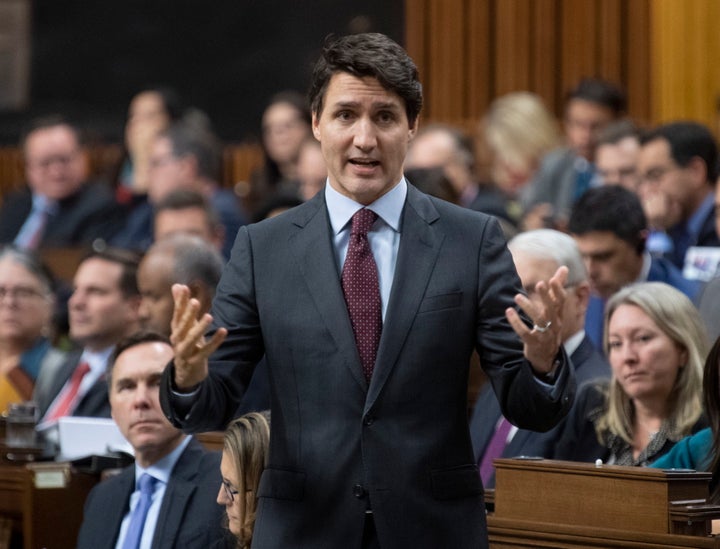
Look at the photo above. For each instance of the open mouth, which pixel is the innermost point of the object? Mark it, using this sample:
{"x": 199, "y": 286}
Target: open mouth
{"x": 364, "y": 163}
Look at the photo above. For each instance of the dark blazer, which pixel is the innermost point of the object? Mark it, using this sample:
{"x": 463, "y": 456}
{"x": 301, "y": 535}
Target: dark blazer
{"x": 579, "y": 441}
{"x": 94, "y": 403}
{"x": 588, "y": 364}
{"x": 189, "y": 515}
{"x": 553, "y": 183}
{"x": 401, "y": 444}
{"x": 83, "y": 217}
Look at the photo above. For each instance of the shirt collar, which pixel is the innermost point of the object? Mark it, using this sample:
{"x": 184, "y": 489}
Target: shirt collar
{"x": 645, "y": 270}
{"x": 573, "y": 342}
{"x": 42, "y": 203}
{"x": 388, "y": 207}
{"x": 162, "y": 469}
{"x": 97, "y": 360}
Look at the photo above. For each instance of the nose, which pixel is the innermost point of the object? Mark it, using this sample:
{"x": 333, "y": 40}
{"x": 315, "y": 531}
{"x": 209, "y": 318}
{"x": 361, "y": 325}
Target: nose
{"x": 365, "y": 135}
{"x": 142, "y": 396}
{"x": 143, "y": 310}
{"x": 222, "y": 498}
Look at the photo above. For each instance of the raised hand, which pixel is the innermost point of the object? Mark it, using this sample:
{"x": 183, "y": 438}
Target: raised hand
{"x": 542, "y": 341}
{"x": 188, "y": 339}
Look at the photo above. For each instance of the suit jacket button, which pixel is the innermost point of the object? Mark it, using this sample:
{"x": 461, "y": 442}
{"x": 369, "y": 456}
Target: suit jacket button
{"x": 369, "y": 420}
{"x": 359, "y": 491}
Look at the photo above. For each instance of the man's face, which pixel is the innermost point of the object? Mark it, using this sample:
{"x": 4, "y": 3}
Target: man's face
{"x": 531, "y": 270}
{"x": 100, "y": 314}
{"x": 364, "y": 133}
{"x": 155, "y": 284}
{"x": 583, "y": 121}
{"x": 135, "y": 404}
{"x": 55, "y": 164}
{"x": 617, "y": 163}
{"x": 168, "y": 173}
{"x": 662, "y": 174}
{"x": 610, "y": 261}
{"x": 186, "y": 221}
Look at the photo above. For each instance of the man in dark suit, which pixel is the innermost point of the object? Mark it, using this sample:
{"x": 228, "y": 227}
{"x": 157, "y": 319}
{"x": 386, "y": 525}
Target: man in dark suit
{"x": 610, "y": 228}
{"x": 58, "y": 207}
{"x": 537, "y": 255}
{"x": 103, "y": 309}
{"x": 186, "y": 478}
{"x": 367, "y": 302}
{"x": 678, "y": 167}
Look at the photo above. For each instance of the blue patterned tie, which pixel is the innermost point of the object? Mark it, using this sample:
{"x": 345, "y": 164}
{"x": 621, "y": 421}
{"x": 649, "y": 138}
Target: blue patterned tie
{"x": 137, "y": 520}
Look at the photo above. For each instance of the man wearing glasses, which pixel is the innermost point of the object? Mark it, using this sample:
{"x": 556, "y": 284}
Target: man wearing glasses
{"x": 167, "y": 499}
{"x": 58, "y": 207}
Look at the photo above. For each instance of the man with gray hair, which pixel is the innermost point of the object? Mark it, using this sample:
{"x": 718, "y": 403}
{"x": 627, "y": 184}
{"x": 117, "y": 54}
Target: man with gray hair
{"x": 536, "y": 253}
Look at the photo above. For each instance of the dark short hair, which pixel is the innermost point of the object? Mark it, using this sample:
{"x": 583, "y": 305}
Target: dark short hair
{"x": 50, "y": 121}
{"x": 188, "y": 139}
{"x": 183, "y": 199}
{"x": 687, "y": 140}
{"x": 600, "y": 92}
{"x": 616, "y": 131}
{"x": 133, "y": 340}
{"x": 368, "y": 54}
{"x": 169, "y": 97}
{"x": 127, "y": 259}
{"x": 610, "y": 208}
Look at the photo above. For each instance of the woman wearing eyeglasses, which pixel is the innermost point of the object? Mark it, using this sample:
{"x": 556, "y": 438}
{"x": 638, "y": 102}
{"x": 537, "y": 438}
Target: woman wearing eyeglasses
{"x": 244, "y": 458}
{"x": 27, "y": 304}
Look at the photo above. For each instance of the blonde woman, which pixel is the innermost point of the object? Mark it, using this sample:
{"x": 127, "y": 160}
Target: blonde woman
{"x": 518, "y": 130}
{"x": 656, "y": 343}
{"x": 244, "y": 458}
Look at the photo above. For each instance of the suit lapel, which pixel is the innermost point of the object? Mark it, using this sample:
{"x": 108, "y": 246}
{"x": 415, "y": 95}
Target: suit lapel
{"x": 313, "y": 250}
{"x": 116, "y": 506}
{"x": 419, "y": 248}
{"x": 177, "y": 496}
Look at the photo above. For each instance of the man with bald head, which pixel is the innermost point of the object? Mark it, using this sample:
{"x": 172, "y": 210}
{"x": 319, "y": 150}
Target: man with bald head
{"x": 178, "y": 258}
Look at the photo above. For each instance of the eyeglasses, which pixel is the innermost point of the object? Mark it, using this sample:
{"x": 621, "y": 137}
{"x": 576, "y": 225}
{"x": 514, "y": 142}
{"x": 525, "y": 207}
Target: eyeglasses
{"x": 230, "y": 492}
{"x": 62, "y": 159}
{"x": 20, "y": 293}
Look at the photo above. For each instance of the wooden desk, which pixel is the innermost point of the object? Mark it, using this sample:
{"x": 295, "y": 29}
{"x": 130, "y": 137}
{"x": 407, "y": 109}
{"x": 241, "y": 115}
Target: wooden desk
{"x": 544, "y": 503}
{"x": 44, "y": 502}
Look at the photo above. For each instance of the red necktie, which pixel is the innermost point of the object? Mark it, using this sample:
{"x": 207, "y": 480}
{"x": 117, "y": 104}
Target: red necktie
{"x": 65, "y": 404}
{"x": 362, "y": 290}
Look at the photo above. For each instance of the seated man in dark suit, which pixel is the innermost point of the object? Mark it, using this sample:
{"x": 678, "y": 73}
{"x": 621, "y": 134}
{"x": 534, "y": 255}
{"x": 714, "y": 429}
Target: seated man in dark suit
{"x": 167, "y": 499}
{"x": 103, "y": 309}
{"x": 58, "y": 207}
{"x": 535, "y": 254}
{"x": 610, "y": 228}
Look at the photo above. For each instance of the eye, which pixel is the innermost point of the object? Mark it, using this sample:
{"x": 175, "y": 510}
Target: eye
{"x": 386, "y": 116}
{"x": 614, "y": 344}
{"x": 344, "y": 115}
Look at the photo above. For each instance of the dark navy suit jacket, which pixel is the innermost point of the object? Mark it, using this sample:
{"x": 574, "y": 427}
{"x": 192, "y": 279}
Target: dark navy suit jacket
{"x": 588, "y": 363}
{"x": 189, "y": 514}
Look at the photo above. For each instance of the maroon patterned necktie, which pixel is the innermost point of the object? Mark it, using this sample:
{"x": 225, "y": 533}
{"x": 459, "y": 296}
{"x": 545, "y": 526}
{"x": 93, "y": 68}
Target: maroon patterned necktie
{"x": 362, "y": 290}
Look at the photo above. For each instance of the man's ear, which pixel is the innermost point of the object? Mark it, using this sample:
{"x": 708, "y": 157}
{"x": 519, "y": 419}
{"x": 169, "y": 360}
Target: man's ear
{"x": 582, "y": 293}
{"x": 698, "y": 170}
{"x": 315, "y": 125}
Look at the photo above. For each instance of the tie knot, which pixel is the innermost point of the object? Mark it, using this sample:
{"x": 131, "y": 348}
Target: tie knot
{"x": 82, "y": 369}
{"x": 146, "y": 484}
{"x": 362, "y": 221}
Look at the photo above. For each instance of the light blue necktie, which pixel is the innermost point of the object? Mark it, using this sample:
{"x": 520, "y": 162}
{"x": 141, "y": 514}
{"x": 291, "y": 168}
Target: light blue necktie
{"x": 137, "y": 520}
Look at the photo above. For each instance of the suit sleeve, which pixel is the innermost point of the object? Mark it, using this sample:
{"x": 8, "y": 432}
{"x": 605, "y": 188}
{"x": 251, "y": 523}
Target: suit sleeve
{"x": 524, "y": 401}
{"x": 232, "y": 365}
